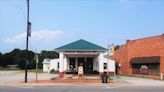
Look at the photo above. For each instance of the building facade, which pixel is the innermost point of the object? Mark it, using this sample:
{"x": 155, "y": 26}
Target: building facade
{"x": 142, "y": 56}
{"x": 85, "y": 54}
{"x": 50, "y": 64}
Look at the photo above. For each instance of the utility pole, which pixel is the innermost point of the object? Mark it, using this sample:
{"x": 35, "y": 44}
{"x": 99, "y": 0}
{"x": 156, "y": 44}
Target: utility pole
{"x": 28, "y": 34}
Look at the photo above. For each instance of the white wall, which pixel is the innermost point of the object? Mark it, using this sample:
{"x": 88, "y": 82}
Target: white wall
{"x": 54, "y": 64}
{"x": 111, "y": 66}
{"x": 110, "y": 63}
{"x": 46, "y": 67}
{"x": 61, "y": 62}
{"x": 65, "y": 63}
{"x": 101, "y": 62}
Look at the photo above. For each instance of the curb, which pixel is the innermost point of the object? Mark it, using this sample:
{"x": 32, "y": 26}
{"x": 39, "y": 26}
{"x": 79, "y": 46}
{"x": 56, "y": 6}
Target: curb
{"x": 55, "y": 84}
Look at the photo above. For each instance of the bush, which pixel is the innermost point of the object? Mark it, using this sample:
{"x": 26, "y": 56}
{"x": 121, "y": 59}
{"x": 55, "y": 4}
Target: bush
{"x": 53, "y": 71}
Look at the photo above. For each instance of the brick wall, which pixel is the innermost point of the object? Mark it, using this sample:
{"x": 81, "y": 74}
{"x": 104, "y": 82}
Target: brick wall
{"x": 121, "y": 57}
{"x": 146, "y": 47}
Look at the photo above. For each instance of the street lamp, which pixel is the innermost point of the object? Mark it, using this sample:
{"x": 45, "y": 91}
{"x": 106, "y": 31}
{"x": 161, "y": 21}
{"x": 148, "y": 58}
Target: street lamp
{"x": 28, "y": 34}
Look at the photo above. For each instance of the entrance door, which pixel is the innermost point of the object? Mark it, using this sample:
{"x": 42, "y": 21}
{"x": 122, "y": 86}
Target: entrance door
{"x": 87, "y": 65}
{"x": 81, "y": 62}
{"x": 72, "y": 65}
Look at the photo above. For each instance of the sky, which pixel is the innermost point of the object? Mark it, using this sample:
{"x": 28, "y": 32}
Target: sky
{"x": 58, "y": 22}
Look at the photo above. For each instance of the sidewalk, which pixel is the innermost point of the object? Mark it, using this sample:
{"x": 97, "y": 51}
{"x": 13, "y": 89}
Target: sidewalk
{"x": 10, "y": 78}
{"x": 51, "y": 83}
{"x": 137, "y": 81}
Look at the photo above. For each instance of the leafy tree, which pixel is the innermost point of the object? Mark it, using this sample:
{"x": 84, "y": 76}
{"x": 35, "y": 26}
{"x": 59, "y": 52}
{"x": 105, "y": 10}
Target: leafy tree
{"x": 0, "y": 58}
{"x": 32, "y": 64}
{"x": 20, "y": 59}
{"x": 117, "y": 47}
{"x": 6, "y": 59}
{"x": 47, "y": 54}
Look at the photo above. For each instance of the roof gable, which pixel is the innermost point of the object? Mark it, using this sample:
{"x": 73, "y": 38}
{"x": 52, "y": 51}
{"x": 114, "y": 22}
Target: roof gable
{"x": 81, "y": 45}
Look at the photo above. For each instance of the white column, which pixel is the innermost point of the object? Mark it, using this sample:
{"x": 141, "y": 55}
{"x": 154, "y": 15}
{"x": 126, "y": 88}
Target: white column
{"x": 100, "y": 62}
{"x": 65, "y": 63}
{"x": 61, "y": 65}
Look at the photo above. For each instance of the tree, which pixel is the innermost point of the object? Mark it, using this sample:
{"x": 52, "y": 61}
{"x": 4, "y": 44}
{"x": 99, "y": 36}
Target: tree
{"x": 116, "y": 47}
{"x": 0, "y": 58}
{"x": 20, "y": 59}
{"x": 6, "y": 59}
{"x": 47, "y": 54}
{"x": 13, "y": 53}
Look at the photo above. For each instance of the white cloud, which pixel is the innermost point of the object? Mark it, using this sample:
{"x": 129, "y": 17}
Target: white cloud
{"x": 41, "y": 35}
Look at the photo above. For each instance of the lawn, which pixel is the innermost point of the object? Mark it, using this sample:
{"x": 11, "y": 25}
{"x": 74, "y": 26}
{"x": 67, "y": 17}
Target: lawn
{"x": 34, "y": 70}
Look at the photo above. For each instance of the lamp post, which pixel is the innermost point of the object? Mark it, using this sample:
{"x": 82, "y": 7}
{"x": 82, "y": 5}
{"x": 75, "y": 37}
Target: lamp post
{"x": 28, "y": 34}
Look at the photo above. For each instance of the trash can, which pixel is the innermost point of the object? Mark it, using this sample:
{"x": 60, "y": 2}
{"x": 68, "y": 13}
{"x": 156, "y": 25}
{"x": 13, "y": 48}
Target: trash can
{"x": 105, "y": 78}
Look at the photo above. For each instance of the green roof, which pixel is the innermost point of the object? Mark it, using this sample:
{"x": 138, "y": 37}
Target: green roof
{"x": 81, "y": 45}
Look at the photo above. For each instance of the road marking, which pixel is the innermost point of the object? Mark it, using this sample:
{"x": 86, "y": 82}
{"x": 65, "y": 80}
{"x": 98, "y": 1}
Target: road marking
{"x": 25, "y": 87}
{"x": 109, "y": 86}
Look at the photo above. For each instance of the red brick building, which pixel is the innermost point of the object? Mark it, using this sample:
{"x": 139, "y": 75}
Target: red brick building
{"x": 142, "y": 56}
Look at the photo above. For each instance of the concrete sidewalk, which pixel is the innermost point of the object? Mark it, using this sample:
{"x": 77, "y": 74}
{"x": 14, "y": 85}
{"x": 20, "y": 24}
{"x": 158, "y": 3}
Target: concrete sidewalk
{"x": 136, "y": 81}
{"x": 16, "y": 78}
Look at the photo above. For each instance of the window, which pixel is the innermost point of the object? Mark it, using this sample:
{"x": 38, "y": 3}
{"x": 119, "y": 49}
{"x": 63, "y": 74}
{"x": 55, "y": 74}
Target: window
{"x": 58, "y": 65}
{"x": 138, "y": 66}
{"x": 154, "y": 66}
{"x": 105, "y": 65}
{"x": 72, "y": 64}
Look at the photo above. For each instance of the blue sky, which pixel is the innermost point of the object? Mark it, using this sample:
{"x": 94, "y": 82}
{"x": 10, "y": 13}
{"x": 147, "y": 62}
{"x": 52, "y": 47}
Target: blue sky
{"x": 58, "y": 22}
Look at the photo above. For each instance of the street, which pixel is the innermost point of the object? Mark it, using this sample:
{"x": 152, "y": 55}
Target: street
{"x": 84, "y": 89}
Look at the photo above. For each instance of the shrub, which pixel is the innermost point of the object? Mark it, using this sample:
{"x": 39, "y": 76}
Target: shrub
{"x": 53, "y": 71}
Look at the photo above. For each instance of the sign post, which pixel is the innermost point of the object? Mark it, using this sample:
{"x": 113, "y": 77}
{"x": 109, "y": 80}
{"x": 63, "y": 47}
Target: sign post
{"x": 37, "y": 61}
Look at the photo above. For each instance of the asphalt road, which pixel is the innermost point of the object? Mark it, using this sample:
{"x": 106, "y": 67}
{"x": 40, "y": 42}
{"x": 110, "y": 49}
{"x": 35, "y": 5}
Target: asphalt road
{"x": 84, "y": 89}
